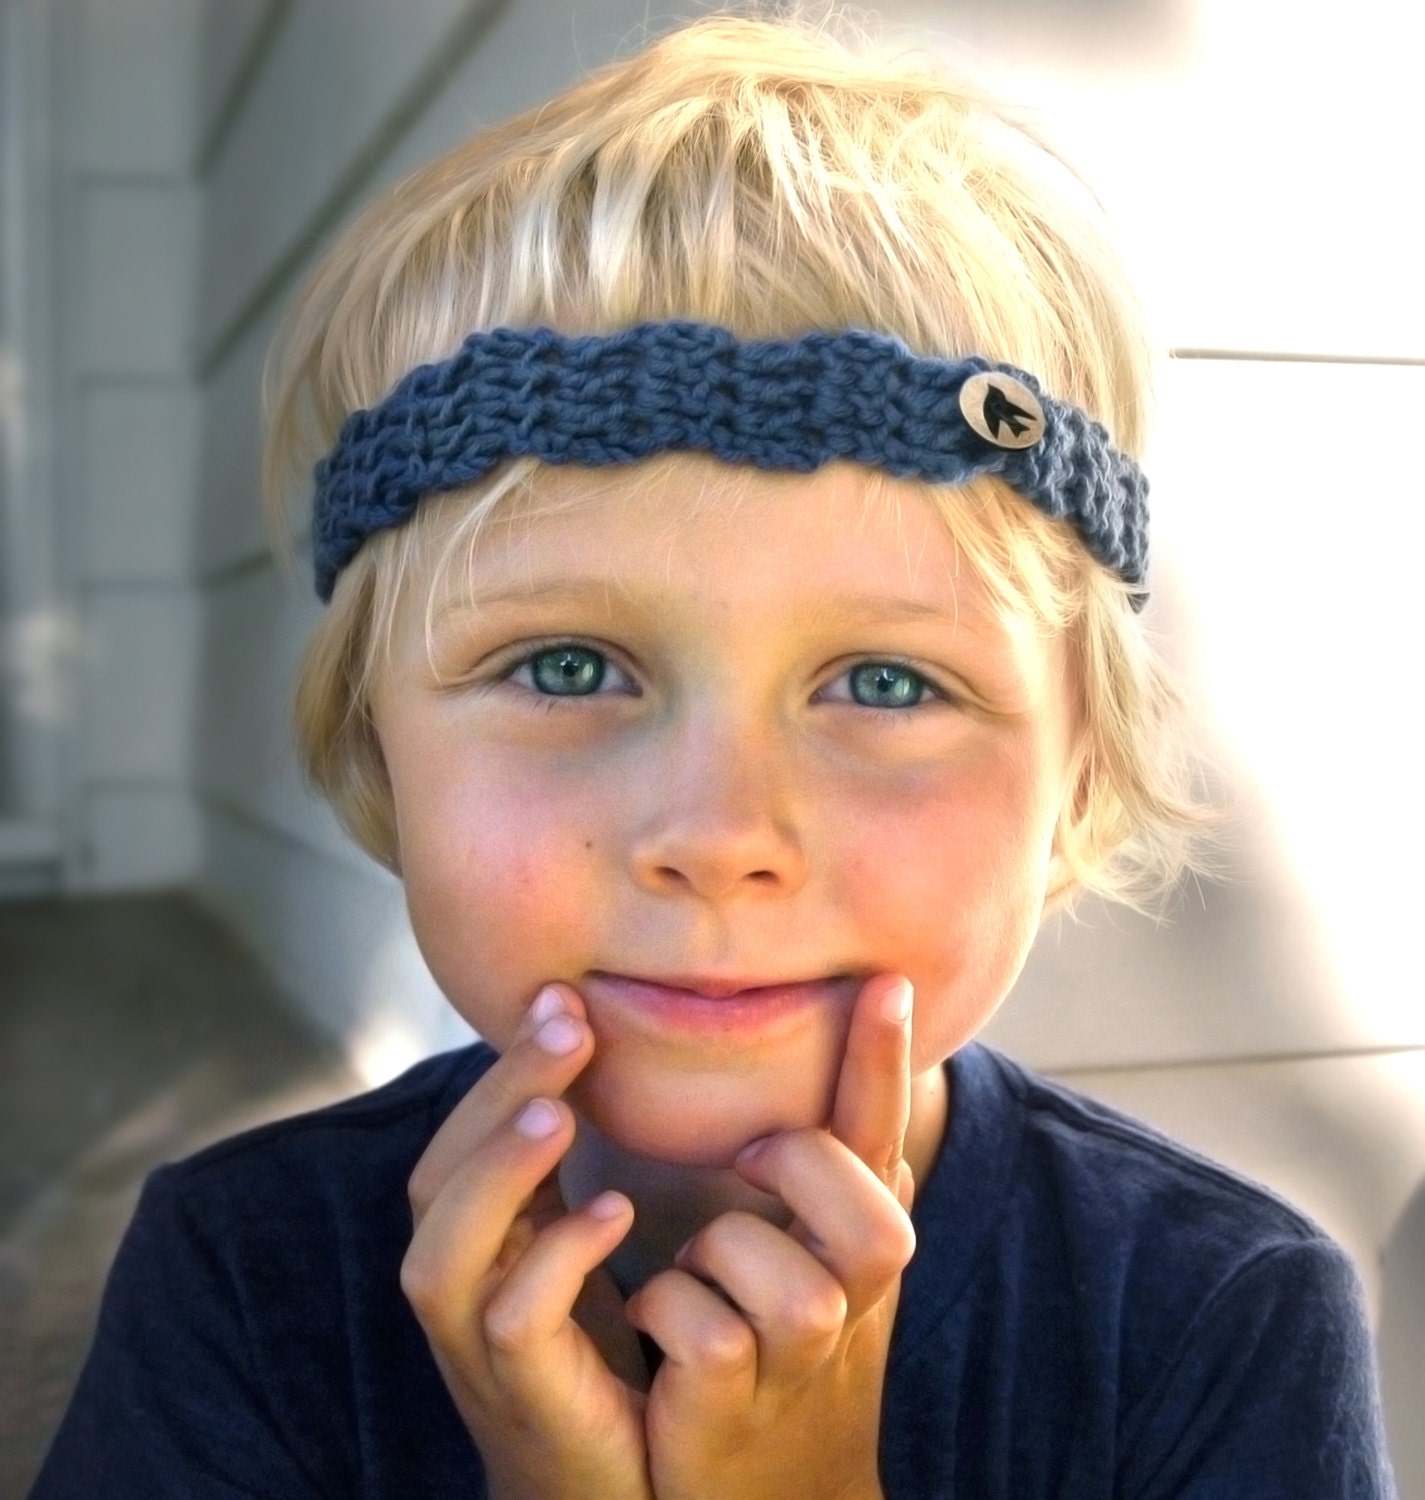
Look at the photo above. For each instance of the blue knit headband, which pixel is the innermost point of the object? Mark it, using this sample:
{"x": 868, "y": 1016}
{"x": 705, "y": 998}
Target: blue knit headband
{"x": 615, "y": 398}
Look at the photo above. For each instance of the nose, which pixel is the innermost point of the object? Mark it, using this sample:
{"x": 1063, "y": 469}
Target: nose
{"x": 718, "y": 820}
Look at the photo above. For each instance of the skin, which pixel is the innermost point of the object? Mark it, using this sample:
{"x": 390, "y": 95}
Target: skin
{"x": 732, "y": 798}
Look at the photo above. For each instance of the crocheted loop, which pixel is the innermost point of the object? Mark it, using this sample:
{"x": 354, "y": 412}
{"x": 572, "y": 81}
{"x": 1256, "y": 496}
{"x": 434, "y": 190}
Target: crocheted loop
{"x": 600, "y": 399}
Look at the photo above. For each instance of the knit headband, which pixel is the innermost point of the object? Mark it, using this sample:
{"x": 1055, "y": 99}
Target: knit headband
{"x": 776, "y": 404}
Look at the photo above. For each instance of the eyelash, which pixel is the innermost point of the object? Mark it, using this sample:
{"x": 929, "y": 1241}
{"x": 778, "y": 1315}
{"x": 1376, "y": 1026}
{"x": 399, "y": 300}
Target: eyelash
{"x": 551, "y": 701}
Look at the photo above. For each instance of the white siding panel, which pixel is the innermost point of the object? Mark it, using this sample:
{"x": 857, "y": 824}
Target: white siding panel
{"x": 514, "y": 67}
{"x": 1295, "y": 641}
{"x": 257, "y": 624}
{"x": 134, "y": 100}
{"x": 529, "y": 52}
{"x": 1235, "y": 970}
{"x": 1256, "y": 216}
{"x": 141, "y": 658}
{"x": 229, "y": 31}
{"x": 1280, "y": 503}
{"x": 139, "y": 478}
{"x": 339, "y": 69}
{"x": 336, "y": 938}
{"x": 135, "y": 279}
{"x": 140, "y": 837}
{"x": 230, "y": 526}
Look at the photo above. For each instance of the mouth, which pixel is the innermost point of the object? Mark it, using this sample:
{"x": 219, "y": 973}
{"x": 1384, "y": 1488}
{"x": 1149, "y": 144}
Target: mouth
{"x": 716, "y": 1003}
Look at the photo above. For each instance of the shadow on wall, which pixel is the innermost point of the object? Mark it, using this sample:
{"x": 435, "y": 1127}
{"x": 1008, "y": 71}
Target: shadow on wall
{"x": 1402, "y": 1345}
{"x": 1238, "y": 966}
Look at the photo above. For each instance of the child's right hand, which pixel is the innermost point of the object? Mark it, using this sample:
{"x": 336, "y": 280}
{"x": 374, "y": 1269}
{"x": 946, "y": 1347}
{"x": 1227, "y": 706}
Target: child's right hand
{"x": 496, "y": 1265}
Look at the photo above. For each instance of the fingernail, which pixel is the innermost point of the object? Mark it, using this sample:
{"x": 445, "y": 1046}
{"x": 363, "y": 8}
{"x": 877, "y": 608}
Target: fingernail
{"x": 537, "y": 1120}
{"x": 752, "y": 1150}
{"x": 559, "y": 1036}
{"x": 548, "y": 1003}
{"x": 607, "y": 1206}
{"x": 896, "y": 1003}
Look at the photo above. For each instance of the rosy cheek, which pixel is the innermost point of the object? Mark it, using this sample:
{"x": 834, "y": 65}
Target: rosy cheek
{"x": 942, "y": 879}
{"x": 495, "y": 899}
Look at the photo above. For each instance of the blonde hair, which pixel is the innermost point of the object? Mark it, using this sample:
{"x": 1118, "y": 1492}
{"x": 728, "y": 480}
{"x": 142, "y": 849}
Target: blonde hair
{"x": 763, "y": 176}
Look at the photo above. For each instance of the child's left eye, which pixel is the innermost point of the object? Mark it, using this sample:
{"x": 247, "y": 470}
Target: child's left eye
{"x": 885, "y": 684}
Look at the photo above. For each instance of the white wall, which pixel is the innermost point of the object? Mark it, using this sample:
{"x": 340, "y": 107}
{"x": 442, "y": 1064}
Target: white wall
{"x": 101, "y": 630}
{"x": 1256, "y": 157}
{"x": 31, "y": 708}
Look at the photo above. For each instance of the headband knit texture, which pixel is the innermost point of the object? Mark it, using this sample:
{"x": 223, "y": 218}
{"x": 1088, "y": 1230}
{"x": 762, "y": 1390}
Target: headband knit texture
{"x": 599, "y": 399}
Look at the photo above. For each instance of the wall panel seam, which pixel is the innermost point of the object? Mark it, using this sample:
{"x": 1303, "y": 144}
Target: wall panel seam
{"x": 345, "y": 192}
{"x": 248, "y": 71}
{"x": 1236, "y": 1060}
{"x": 104, "y": 783}
{"x": 1268, "y": 356}
{"x": 235, "y": 570}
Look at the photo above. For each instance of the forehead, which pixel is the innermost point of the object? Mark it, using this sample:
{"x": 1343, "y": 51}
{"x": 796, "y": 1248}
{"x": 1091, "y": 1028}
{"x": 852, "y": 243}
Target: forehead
{"x": 687, "y": 524}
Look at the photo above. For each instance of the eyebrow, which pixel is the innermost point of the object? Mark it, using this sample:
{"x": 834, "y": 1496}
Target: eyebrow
{"x": 584, "y": 590}
{"x": 555, "y": 591}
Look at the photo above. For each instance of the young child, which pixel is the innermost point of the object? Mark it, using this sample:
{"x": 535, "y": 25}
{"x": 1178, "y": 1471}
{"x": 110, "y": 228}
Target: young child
{"x": 734, "y": 557}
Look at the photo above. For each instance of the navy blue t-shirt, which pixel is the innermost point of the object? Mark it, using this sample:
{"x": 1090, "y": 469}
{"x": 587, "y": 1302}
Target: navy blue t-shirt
{"x": 1091, "y": 1311}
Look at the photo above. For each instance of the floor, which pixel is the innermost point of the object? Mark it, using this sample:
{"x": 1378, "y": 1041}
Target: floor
{"x": 133, "y": 1030}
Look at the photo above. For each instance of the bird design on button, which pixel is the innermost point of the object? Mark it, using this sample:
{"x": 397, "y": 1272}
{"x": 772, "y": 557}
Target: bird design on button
{"x": 1003, "y": 410}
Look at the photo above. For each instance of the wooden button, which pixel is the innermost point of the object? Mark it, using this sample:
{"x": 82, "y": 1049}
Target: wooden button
{"x": 1003, "y": 410}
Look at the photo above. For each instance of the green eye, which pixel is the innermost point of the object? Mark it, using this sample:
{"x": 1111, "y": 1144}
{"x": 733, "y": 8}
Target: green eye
{"x": 568, "y": 671}
{"x": 885, "y": 684}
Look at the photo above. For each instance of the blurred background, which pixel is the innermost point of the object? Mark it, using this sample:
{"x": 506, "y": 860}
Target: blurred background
{"x": 188, "y": 943}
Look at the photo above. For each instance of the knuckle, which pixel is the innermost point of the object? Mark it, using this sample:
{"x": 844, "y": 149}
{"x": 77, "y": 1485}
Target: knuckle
{"x": 421, "y": 1189}
{"x": 815, "y": 1316}
{"x": 422, "y": 1285}
{"x": 904, "y": 1241}
{"x": 506, "y": 1326}
{"x": 724, "y": 1345}
{"x": 719, "y": 1237}
{"x": 890, "y": 1249}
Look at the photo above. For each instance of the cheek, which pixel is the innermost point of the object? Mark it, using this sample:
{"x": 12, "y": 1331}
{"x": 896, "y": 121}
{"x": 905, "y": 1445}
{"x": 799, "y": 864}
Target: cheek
{"x": 500, "y": 890}
{"x": 947, "y": 881}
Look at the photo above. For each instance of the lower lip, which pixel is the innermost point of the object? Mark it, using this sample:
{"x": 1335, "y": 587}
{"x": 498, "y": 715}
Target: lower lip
{"x": 746, "y": 1011}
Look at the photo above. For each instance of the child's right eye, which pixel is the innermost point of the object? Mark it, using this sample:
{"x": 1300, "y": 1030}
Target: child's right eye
{"x": 565, "y": 670}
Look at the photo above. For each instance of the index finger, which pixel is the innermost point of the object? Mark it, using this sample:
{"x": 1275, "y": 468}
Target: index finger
{"x": 872, "y": 1108}
{"x": 548, "y": 1052}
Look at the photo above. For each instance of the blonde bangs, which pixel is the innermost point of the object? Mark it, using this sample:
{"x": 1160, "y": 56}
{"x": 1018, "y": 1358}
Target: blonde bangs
{"x": 755, "y": 175}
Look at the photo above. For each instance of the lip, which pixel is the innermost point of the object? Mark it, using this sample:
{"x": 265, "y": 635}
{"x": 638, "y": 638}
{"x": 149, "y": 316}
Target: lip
{"x": 721, "y": 1004}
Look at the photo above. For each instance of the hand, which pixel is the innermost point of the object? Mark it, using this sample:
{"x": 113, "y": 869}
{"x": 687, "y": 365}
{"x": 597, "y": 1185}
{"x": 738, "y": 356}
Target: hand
{"x": 495, "y": 1268}
{"x": 775, "y": 1341}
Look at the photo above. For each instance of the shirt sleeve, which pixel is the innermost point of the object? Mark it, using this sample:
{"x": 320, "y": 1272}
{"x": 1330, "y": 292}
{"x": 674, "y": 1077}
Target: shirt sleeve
{"x": 1273, "y": 1394}
{"x": 168, "y": 1402}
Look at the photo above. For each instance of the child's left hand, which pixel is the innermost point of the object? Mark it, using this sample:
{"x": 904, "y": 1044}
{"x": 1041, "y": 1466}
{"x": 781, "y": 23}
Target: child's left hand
{"x": 775, "y": 1341}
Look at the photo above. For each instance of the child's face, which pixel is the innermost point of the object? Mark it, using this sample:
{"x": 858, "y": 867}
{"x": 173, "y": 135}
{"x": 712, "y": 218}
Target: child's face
{"x": 775, "y": 734}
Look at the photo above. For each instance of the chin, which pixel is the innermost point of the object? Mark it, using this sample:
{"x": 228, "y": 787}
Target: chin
{"x": 694, "y": 1122}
